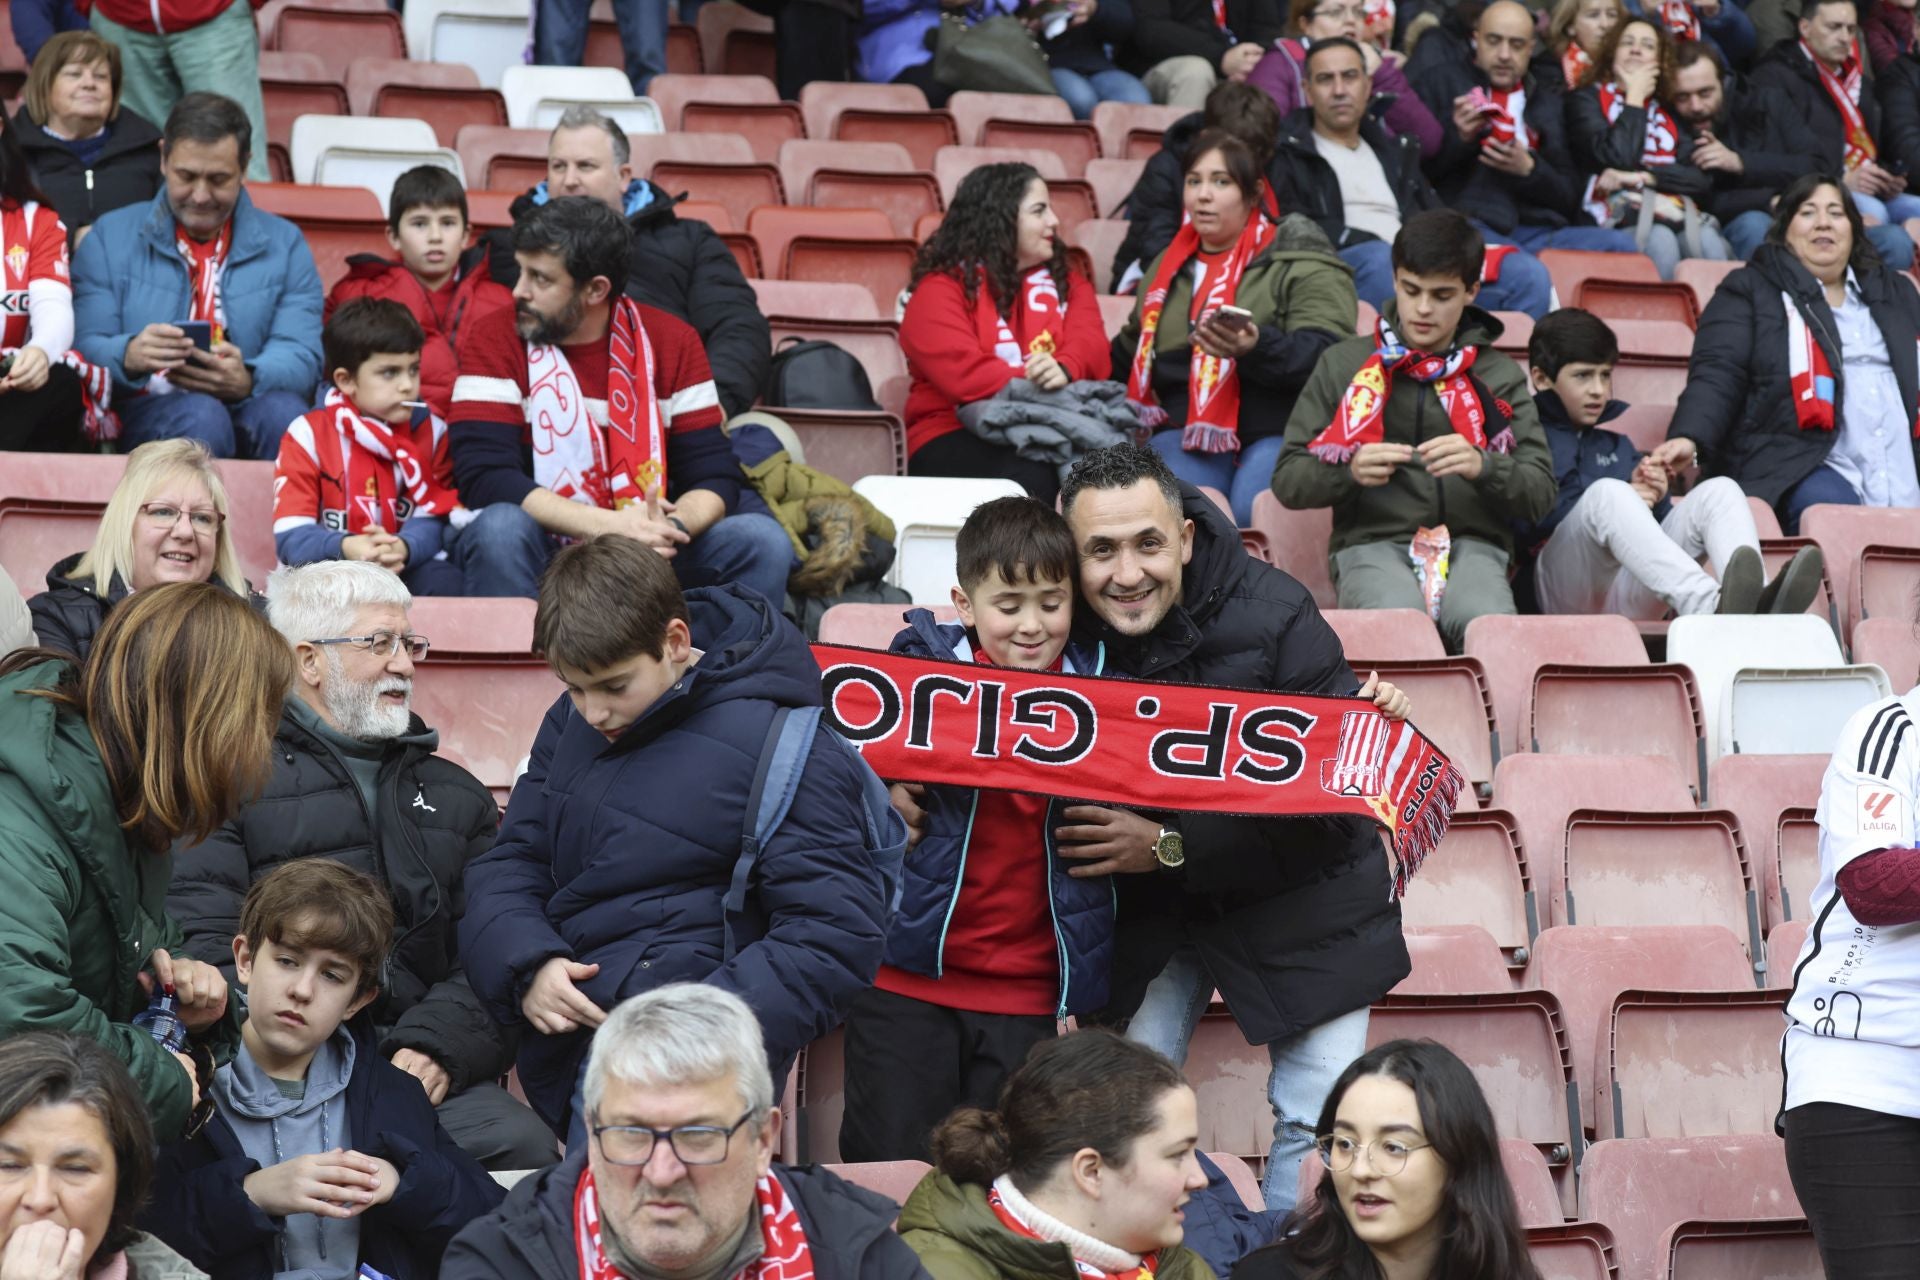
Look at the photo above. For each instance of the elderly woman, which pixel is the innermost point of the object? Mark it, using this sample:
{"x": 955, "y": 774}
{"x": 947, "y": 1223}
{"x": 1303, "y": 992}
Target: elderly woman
{"x": 1803, "y": 385}
{"x": 87, "y": 153}
{"x": 166, "y": 522}
{"x": 80, "y": 1157}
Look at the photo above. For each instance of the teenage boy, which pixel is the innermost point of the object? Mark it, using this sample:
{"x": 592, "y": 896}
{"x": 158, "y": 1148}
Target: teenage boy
{"x": 613, "y": 868}
{"x": 1615, "y": 542}
{"x": 1423, "y": 440}
{"x": 368, "y": 475}
{"x": 443, "y": 282}
{"x": 994, "y": 939}
{"x": 321, "y": 1156}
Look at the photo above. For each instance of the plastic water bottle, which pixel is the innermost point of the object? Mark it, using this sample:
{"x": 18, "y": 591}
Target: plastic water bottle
{"x": 162, "y": 1022}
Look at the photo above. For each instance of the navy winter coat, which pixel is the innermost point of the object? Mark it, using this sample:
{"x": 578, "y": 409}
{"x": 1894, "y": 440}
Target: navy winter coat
{"x": 200, "y": 1208}
{"x": 1083, "y": 909}
{"x": 620, "y": 853}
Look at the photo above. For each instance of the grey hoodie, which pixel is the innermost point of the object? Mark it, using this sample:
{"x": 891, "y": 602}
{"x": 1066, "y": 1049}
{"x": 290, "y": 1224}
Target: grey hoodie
{"x": 272, "y": 1128}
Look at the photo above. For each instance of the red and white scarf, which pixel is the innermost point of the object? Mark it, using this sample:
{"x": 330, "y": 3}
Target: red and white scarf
{"x": 1810, "y": 375}
{"x": 1509, "y": 124}
{"x": 1035, "y": 325}
{"x": 1661, "y": 145}
{"x": 572, "y": 455}
{"x": 1220, "y": 14}
{"x": 206, "y": 271}
{"x": 1678, "y": 17}
{"x": 1361, "y": 416}
{"x": 382, "y": 467}
{"x": 1109, "y": 1263}
{"x": 784, "y": 1254}
{"x": 1843, "y": 89}
{"x": 1213, "y": 383}
{"x": 1574, "y": 65}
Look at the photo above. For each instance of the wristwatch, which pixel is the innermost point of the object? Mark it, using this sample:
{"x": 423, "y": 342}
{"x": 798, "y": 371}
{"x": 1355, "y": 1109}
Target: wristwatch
{"x": 1169, "y": 849}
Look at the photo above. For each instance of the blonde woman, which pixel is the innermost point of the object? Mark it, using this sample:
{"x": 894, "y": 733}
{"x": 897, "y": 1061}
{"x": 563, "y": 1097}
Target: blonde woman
{"x": 166, "y": 522}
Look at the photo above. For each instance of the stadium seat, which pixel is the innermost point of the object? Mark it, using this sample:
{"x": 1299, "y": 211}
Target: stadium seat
{"x": 1299, "y": 541}
{"x": 683, "y": 50}
{"x": 1620, "y": 711}
{"x": 1074, "y": 141}
{"x": 1843, "y": 534}
{"x": 973, "y": 110}
{"x": 1449, "y": 960}
{"x": 481, "y": 686}
{"x": 487, "y": 35}
{"x": 1776, "y": 550}
{"x": 1101, "y": 238}
{"x": 859, "y": 175}
{"x": 927, "y": 512}
{"x": 1644, "y": 380}
{"x": 923, "y": 133}
{"x": 872, "y": 626}
{"x": 952, "y": 164}
{"x": 288, "y": 100}
{"x": 1765, "y": 522}
{"x": 1757, "y": 789}
{"x": 337, "y": 222}
{"x": 314, "y": 136}
{"x": 738, "y": 187}
{"x": 537, "y": 95}
{"x": 765, "y": 125}
{"x": 1784, "y": 941}
{"x": 1516, "y": 331}
{"x": 1385, "y": 633}
{"x": 1886, "y": 583}
{"x": 1740, "y": 1250}
{"x": 1703, "y": 276}
{"x": 848, "y": 444}
{"x": 672, "y": 92}
{"x": 735, "y": 40}
{"x": 1570, "y": 267}
{"x": 1112, "y": 182}
{"x": 368, "y": 76}
{"x": 814, "y": 300}
{"x": 1218, "y": 499}
{"x": 1642, "y": 1187}
{"x": 1229, "y": 1081}
{"x": 284, "y": 64}
{"x": 447, "y": 110}
{"x": 874, "y": 343}
{"x": 894, "y": 1179}
{"x": 1241, "y": 1176}
{"x": 1572, "y": 1251}
{"x": 1893, "y": 645}
{"x": 822, "y": 101}
{"x": 1479, "y": 876}
{"x": 1615, "y": 300}
{"x": 819, "y": 1088}
{"x": 499, "y": 159}
{"x": 1513, "y": 649}
{"x": 338, "y": 36}
{"x": 1770, "y": 685}
{"x": 1644, "y": 424}
{"x": 1625, "y": 868}
{"x": 1690, "y": 1064}
{"x": 773, "y": 227}
{"x": 1131, "y": 131}
{"x": 487, "y": 210}
{"x": 1452, "y": 704}
{"x": 1793, "y": 861}
{"x": 1114, "y": 314}
{"x": 884, "y": 266}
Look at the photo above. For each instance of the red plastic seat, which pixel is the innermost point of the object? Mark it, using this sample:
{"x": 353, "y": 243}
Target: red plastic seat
{"x": 447, "y": 110}
{"x": 735, "y": 40}
{"x": 740, "y": 188}
{"x": 874, "y": 343}
{"x": 1694, "y": 1063}
{"x": 822, "y": 101}
{"x": 1703, "y": 276}
{"x": 812, "y": 299}
{"x": 1891, "y": 643}
{"x": 765, "y": 125}
{"x": 870, "y": 626}
{"x": 1661, "y": 342}
{"x": 672, "y": 92}
{"x": 1513, "y": 649}
{"x": 847, "y": 444}
{"x": 1886, "y": 583}
{"x": 337, "y": 222}
{"x": 1240, "y": 1174}
{"x": 1793, "y": 858}
{"x": 952, "y": 164}
{"x": 1131, "y": 131}
{"x": 1643, "y": 380}
{"x": 481, "y": 686}
{"x": 1620, "y": 711}
{"x": 1074, "y": 141}
{"x": 1385, "y": 633}
{"x": 1479, "y": 876}
{"x": 1101, "y": 238}
{"x": 923, "y": 133}
{"x": 1569, "y": 267}
{"x": 1299, "y": 541}
{"x": 1516, "y": 331}
{"x": 1454, "y": 707}
{"x": 288, "y": 100}
{"x": 973, "y": 110}
{"x": 1843, "y": 533}
{"x": 894, "y": 1179}
{"x": 774, "y": 226}
{"x": 859, "y": 175}
{"x": 1112, "y": 182}
{"x": 1114, "y": 314}
{"x": 1644, "y": 424}
{"x": 339, "y": 36}
{"x": 493, "y": 157}
{"x": 1572, "y": 1251}
{"x": 1641, "y": 1187}
{"x": 366, "y": 77}
{"x": 1784, "y": 941}
{"x": 489, "y": 209}
{"x": 1615, "y": 300}
{"x": 1457, "y": 959}
{"x": 820, "y": 1095}
{"x": 1738, "y": 1250}
{"x": 683, "y": 50}
{"x": 1688, "y": 867}
{"x": 1757, "y": 789}
{"x": 884, "y": 267}
{"x": 285, "y": 64}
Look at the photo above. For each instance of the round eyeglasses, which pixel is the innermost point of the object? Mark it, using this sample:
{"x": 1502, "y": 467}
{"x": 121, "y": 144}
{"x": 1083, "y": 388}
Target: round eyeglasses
{"x": 1385, "y": 1156}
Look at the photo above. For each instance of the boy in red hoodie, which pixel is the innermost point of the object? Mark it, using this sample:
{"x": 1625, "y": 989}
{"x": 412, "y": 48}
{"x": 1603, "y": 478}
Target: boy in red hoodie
{"x": 442, "y": 281}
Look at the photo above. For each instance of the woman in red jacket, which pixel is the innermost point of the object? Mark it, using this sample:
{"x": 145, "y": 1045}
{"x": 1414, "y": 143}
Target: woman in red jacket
{"x": 993, "y": 301}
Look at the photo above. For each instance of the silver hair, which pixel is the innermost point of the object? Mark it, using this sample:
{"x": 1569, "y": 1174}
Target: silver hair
{"x": 682, "y": 1033}
{"x": 582, "y": 116}
{"x": 319, "y": 600}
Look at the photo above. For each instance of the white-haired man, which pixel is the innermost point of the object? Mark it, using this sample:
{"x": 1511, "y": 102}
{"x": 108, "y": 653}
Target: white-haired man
{"x": 678, "y": 1178}
{"x": 355, "y": 778}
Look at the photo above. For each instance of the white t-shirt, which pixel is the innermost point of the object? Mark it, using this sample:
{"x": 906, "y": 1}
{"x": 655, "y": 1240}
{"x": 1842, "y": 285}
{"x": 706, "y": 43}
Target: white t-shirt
{"x": 1853, "y": 1022}
{"x": 1364, "y": 191}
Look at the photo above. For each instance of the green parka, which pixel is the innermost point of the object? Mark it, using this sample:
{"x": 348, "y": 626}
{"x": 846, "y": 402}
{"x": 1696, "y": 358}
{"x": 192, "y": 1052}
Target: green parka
{"x": 80, "y": 909}
{"x": 958, "y": 1237}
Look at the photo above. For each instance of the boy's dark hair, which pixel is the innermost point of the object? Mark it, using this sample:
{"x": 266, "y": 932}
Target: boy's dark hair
{"x": 589, "y": 237}
{"x": 208, "y": 118}
{"x": 317, "y": 903}
{"x": 1440, "y": 242}
{"x": 1571, "y": 336}
{"x": 1249, "y": 114}
{"x": 1119, "y": 466}
{"x": 425, "y": 186}
{"x": 1022, "y": 537}
{"x": 369, "y": 327}
{"x": 604, "y": 601}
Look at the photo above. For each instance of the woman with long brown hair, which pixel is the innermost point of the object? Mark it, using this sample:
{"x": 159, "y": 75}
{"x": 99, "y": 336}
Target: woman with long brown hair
{"x": 162, "y": 734}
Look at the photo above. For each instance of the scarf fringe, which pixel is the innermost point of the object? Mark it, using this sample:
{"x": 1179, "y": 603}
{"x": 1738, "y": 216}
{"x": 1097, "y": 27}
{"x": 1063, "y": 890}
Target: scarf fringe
{"x": 1414, "y": 842}
{"x": 1502, "y": 443}
{"x": 1203, "y": 437}
{"x": 1151, "y": 415}
{"x": 1337, "y": 455}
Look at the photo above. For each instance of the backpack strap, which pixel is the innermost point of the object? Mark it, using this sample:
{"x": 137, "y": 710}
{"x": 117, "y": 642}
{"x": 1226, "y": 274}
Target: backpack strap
{"x": 775, "y": 780}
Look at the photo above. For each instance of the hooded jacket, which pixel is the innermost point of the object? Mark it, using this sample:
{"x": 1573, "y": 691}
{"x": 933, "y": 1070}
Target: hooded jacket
{"x": 849, "y": 1229}
{"x": 71, "y": 611}
{"x": 1301, "y": 296}
{"x": 958, "y": 1237}
{"x": 1513, "y": 487}
{"x": 371, "y": 276}
{"x": 434, "y": 819}
{"x": 1580, "y": 457}
{"x": 1547, "y": 197}
{"x": 1737, "y": 405}
{"x": 1309, "y": 186}
{"x": 602, "y": 859}
{"x": 127, "y": 170}
{"x": 1786, "y": 78}
{"x": 354, "y": 1098}
{"x": 1082, "y": 909}
{"x": 80, "y": 909}
{"x": 1291, "y": 916}
{"x": 680, "y": 266}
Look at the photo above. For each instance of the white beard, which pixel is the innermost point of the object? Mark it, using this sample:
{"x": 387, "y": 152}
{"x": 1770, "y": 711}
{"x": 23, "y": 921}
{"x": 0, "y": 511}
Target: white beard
{"x": 357, "y": 708}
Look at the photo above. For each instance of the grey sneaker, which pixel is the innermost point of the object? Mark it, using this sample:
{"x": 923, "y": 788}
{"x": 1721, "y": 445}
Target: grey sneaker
{"x": 1741, "y": 582}
{"x": 1795, "y": 586}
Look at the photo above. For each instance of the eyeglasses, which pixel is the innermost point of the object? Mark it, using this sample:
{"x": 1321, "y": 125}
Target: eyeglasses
{"x": 164, "y": 515}
{"x": 1387, "y": 1156}
{"x": 384, "y": 643}
{"x": 692, "y": 1144}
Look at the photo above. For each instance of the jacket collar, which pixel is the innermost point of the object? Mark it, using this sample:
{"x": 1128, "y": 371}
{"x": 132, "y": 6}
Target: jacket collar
{"x": 250, "y": 238}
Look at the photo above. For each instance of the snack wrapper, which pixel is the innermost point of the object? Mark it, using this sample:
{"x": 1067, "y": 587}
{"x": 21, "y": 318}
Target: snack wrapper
{"x": 1429, "y": 554}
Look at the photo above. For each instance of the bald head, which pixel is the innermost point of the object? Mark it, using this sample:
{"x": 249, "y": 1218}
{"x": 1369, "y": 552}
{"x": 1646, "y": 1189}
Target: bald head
{"x": 1503, "y": 42}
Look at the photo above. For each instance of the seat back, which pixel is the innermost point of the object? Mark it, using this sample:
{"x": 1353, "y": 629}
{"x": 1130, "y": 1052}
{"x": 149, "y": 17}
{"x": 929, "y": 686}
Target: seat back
{"x": 1784, "y": 942}
{"x": 1113, "y": 180}
{"x": 952, "y": 164}
{"x": 1299, "y": 541}
{"x": 1638, "y": 300}
{"x": 1453, "y": 960}
{"x": 1694, "y": 1063}
{"x": 884, "y": 267}
{"x": 1844, "y": 532}
{"x": 1620, "y": 711}
{"x": 366, "y": 77}
{"x": 1642, "y": 1186}
{"x": 1886, "y": 583}
{"x": 1689, "y": 867}
{"x": 735, "y": 40}
{"x": 1718, "y": 646}
{"x": 1570, "y": 267}
{"x": 315, "y": 135}
{"x": 338, "y": 36}
{"x": 1572, "y": 1251}
{"x": 1101, "y": 238}
{"x": 972, "y": 109}
{"x": 801, "y": 158}
{"x": 1781, "y": 711}
{"x": 822, "y": 101}
{"x": 672, "y": 92}
{"x": 1478, "y": 876}
{"x": 1892, "y": 644}
{"x": 1131, "y": 131}
{"x": 1513, "y": 648}
{"x": 1703, "y": 276}
{"x": 894, "y": 1179}
{"x": 1740, "y": 1250}
{"x": 483, "y": 148}
{"x": 1367, "y": 634}
{"x": 481, "y": 685}
{"x": 448, "y": 110}
{"x": 526, "y": 87}
{"x": 288, "y": 100}
{"x": 487, "y": 35}
{"x": 774, "y": 226}
{"x": 336, "y": 222}
{"x": 850, "y": 445}
{"x": 1644, "y": 424}
{"x": 1795, "y": 862}
{"x": 811, "y": 299}
{"x": 1757, "y": 789}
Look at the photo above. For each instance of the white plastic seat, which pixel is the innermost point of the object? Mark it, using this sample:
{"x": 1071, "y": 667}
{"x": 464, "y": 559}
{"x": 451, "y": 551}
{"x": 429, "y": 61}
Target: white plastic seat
{"x": 362, "y": 151}
{"x": 1718, "y": 647}
{"x": 633, "y": 115}
{"x": 1775, "y": 711}
{"x": 536, "y": 96}
{"x": 487, "y": 35}
{"x": 927, "y": 512}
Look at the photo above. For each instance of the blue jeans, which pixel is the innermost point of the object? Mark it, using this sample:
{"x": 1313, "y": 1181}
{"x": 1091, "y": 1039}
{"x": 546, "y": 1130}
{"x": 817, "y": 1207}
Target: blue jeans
{"x": 1305, "y": 1064}
{"x": 504, "y": 552}
{"x": 1083, "y": 92}
{"x": 438, "y": 577}
{"x": 1524, "y": 284}
{"x": 560, "y": 35}
{"x": 1534, "y": 239}
{"x": 1241, "y": 476}
{"x": 1824, "y": 485}
{"x": 249, "y": 429}
{"x": 1890, "y": 240}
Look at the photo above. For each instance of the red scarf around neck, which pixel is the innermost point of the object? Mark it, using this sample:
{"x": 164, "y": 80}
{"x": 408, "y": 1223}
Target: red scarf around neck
{"x": 1149, "y": 1263}
{"x": 1213, "y": 383}
{"x": 1035, "y": 323}
{"x": 1361, "y": 417}
{"x": 1574, "y": 65}
{"x": 1508, "y": 124}
{"x": 1662, "y": 142}
{"x": 785, "y": 1255}
{"x": 1810, "y": 375}
{"x": 1678, "y": 17}
{"x": 1843, "y": 90}
{"x": 205, "y": 264}
{"x": 572, "y": 455}
{"x": 383, "y": 465}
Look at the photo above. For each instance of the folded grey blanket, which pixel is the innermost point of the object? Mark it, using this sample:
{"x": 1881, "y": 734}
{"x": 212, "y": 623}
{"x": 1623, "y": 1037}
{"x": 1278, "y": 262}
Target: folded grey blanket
{"x": 1054, "y": 426}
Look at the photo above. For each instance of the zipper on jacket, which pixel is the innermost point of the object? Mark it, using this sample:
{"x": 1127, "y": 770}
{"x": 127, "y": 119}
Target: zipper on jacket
{"x": 419, "y": 852}
{"x": 1053, "y": 861}
{"x": 953, "y": 899}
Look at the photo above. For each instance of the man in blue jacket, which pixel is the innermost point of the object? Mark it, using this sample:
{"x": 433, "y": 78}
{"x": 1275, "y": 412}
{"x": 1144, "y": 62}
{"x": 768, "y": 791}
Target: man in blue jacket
{"x": 205, "y": 309}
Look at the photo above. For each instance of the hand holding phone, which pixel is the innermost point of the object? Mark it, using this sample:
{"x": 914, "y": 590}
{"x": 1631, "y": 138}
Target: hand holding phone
{"x": 200, "y": 332}
{"x": 1237, "y": 319}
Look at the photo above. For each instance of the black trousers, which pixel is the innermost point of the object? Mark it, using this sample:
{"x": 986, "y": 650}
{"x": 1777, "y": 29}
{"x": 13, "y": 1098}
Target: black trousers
{"x": 910, "y": 1064}
{"x": 46, "y": 420}
{"x": 962, "y": 453}
{"x": 1857, "y": 1174}
{"x": 811, "y": 42}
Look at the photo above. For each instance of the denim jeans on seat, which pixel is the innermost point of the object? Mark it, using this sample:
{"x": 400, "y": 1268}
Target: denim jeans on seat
{"x": 1085, "y": 92}
{"x": 250, "y": 429}
{"x": 1241, "y": 476}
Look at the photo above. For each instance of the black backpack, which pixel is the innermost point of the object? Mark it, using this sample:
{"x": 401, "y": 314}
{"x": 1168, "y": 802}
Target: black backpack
{"x": 812, "y": 374}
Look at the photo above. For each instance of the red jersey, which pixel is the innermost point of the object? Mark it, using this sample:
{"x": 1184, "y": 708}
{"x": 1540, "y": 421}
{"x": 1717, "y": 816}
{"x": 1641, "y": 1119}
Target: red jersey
{"x": 36, "y": 262}
{"x": 323, "y": 476}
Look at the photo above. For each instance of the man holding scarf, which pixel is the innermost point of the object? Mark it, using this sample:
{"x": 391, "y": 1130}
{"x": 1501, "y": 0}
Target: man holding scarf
{"x": 1294, "y": 920}
{"x": 582, "y": 412}
{"x": 1424, "y": 441}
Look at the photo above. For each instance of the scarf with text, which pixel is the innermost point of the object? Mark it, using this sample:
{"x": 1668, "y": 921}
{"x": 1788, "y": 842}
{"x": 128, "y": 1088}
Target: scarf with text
{"x": 1213, "y": 383}
{"x": 1012, "y": 1210}
{"x": 1140, "y": 744}
{"x": 572, "y": 455}
{"x": 387, "y": 479}
{"x": 1509, "y": 123}
{"x": 786, "y": 1255}
{"x": 1574, "y": 64}
{"x": 1843, "y": 90}
{"x": 1661, "y": 145}
{"x": 1037, "y": 322}
{"x": 1361, "y": 416}
{"x": 1678, "y": 17}
{"x": 1810, "y": 374}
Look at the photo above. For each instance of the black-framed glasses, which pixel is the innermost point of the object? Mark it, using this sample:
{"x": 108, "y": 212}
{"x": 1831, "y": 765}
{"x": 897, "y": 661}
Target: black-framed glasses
{"x": 385, "y": 643}
{"x": 164, "y": 515}
{"x": 632, "y": 1144}
{"x": 1386, "y": 1156}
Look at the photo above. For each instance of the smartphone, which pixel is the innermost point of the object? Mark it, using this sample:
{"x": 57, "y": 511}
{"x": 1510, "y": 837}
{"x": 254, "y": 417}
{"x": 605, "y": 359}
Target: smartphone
{"x": 1234, "y": 317}
{"x": 201, "y": 331}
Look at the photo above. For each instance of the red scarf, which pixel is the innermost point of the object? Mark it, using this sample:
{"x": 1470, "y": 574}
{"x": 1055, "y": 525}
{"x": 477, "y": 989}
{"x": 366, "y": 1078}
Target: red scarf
{"x": 1660, "y": 146}
{"x": 1220, "y": 14}
{"x": 1362, "y": 415}
{"x": 785, "y": 1255}
{"x": 381, "y": 466}
{"x": 572, "y": 456}
{"x": 1574, "y": 65}
{"x": 1505, "y": 126}
{"x": 1213, "y": 384}
{"x": 1035, "y": 327}
{"x": 1810, "y": 375}
{"x": 1149, "y": 1263}
{"x": 206, "y": 261}
{"x": 1843, "y": 89}
{"x": 1678, "y": 17}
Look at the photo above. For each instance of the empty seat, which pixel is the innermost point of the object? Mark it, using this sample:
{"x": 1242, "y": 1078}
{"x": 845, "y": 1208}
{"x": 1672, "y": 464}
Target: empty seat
{"x": 336, "y": 222}
{"x": 774, "y": 227}
{"x": 338, "y": 36}
{"x": 923, "y": 133}
{"x": 1450, "y": 695}
{"x": 1572, "y": 1251}
{"x": 1844, "y": 532}
{"x": 812, "y": 299}
{"x": 1641, "y": 380}
{"x": 1644, "y": 424}
{"x": 287, "y": 64}
{"x": 1112, "y": 182}
{"x": 871, "y": 626}
{"x": 1131, "y": 131}
{"x": 1478, "y": 876}
{"x": 1703, "y": 276}
{"x": 952, "y": 164}
{"x": 1886, "y": 583}
{"x": 848, "y": 444}
{"x": 874, "y": 343}
{"x": 1641, "y": 1187}
{"x": 1690, "y": 1064}
{"x": 1241, "y": 1177}
{"x": 1757, "y": 789}
{"x": 1718, "y": 648}
{"x": 735, "y": 40}
{"x": 1299, "y": 541}
{"x": 1793, "y": 862}
{"x": 1739, "y": 1249}
{"x": 320, "y": 144}
{"x": 487, "y": 35}
{"x": 672, "y": 92}
{"x": 1688, "y": 867}
{"x": 927, "y": 513}
{"x": 1453, "y": 960}
{"x": 1101, "y": 238}
{"x": 1784, "y": 942}
{"x": 1636, "y": 300}
{"x": 767, "y": 126}
{"x": 822, "y": 101}
{"x": 1513, "y": 649}
{"x": 482, "y": 687}
{"x": 1074, "y": 141}
{"x": 1891, "y": 644}
{"x": 1629, "y": 710}
{"x": 488, "y": 154}
{"x": 1569, "y": 267}
{"x": 972, "y": 111}
{"x": 894, "y": 1179}
{"x": 447, "y": 110}
{"x": 536, "y": 96}
{"x": 489, "y": 209}
{"x": 883, "y": 266}
{"x": 288, "y": 100}
{"x": 366, "y": 77}
{"x": 1367, "y": 634}
{"x": 859, "y": 175}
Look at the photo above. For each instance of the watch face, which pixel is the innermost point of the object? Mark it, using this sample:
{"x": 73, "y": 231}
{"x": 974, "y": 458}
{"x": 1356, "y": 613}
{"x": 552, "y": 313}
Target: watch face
{"x": 1170, "y": 849}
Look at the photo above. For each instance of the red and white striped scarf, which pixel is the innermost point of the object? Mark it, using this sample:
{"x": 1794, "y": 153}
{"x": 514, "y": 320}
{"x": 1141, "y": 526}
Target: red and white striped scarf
{"x": 1361, "y": 417}
{"x": 1843, "y": 89}
{"x": 1574, "y": 64}
{"x": 1661, "y": 145}
{"x": 1810, "y": 374}
{"x": 784, "y": 1255}
{"x": 1509, "y": 124}
{"x": 382, "y": 467}
{"x": 1678, "y": 17}
{"x": 572, "y": 456}
{"x": 1012, "y": 1221}
{"x": 205, "y": 270}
